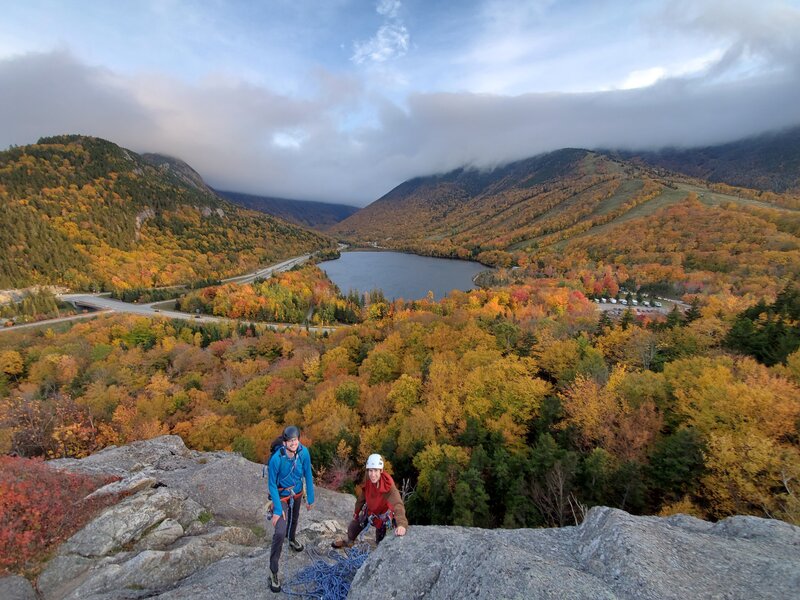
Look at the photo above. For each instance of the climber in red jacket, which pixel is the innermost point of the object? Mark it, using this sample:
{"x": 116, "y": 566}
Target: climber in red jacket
{"x": 379, "y": 504}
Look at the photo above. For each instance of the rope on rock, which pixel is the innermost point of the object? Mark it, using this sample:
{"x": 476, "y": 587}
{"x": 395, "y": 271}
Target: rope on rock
{"x": 325, "y": 581}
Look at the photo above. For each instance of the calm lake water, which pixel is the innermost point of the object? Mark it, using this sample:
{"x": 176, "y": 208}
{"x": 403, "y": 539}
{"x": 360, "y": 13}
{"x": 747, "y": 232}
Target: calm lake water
{"x": 399, "y": 275}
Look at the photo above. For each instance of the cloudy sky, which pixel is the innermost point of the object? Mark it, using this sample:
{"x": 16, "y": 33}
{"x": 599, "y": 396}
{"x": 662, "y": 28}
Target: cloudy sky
{"x": 341, "y": 100}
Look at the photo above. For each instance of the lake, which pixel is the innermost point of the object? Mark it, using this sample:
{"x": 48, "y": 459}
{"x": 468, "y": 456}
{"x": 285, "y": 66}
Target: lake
{"x": 400, "y": 275}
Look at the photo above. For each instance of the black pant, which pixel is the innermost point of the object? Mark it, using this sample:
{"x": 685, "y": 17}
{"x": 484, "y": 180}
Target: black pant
{"x": 357, "y": 526}
{"x": 288, "y": 521}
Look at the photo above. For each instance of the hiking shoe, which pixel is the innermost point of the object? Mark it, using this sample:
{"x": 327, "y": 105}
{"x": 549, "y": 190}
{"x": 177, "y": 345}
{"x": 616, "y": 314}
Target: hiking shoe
{"x": 274, "y": 583}
{"x": 342, "y": 544}
{"x": 296, "y": 546}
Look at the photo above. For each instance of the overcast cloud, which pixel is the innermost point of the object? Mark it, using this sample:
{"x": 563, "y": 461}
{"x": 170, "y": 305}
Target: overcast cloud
{"x": 400, "y": 89}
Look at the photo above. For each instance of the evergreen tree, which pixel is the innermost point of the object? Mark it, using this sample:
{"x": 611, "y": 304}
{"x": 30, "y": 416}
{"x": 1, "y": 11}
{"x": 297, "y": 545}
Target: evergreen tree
{"x": 604, "y": 323}
{"x": 674, "y": 318}
{"x": 627, "y": 319}
{"x": 675, "y": 465}
{"x": 694, "y": 311}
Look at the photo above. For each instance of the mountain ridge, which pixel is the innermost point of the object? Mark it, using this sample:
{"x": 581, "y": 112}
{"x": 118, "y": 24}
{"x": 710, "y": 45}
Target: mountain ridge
{"x": 307, "y": 213}
{"x": 769, "y": 161}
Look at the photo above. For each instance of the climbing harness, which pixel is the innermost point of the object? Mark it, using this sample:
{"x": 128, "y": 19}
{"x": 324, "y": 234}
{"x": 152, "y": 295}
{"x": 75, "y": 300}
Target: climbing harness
{"x": 288, "y": 499}
{"x": 385, "y": 520}
{"x": 382, "y": 521}
{"x": 324, "y": 580}
{"x": 290, "y": 509}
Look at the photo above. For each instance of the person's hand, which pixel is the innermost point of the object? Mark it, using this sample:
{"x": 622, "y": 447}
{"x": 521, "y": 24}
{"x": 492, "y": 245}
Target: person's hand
{"x": 400, "y": 530}
{"x": 308, "y": 506}
{"x": 275, "y": 519}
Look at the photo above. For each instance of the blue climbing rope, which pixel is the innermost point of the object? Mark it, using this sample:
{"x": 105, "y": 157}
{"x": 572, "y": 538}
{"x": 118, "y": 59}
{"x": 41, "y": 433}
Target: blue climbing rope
{"x": 323, "y": 580}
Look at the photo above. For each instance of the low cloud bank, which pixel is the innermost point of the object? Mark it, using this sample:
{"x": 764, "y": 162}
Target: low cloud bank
{"x": 250, "y": 139}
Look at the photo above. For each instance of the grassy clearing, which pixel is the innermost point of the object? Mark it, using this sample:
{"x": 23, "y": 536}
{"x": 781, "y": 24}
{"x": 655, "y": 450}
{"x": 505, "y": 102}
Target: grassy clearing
{"x": 713, "y": 198}
{"x": 627, "y": 190}
{"x": 666, "y": 198}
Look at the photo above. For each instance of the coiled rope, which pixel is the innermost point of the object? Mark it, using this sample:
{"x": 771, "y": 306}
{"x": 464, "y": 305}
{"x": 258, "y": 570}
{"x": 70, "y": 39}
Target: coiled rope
{"x": 323, "y": 580}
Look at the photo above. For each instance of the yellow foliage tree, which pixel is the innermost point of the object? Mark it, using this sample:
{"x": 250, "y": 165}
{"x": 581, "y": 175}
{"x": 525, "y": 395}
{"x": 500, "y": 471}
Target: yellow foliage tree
{"x": 414, "y": 431}
{"x": 11, "y": 363}
{"x": 262, "y": 434}
{"x": 208, "y": 432}
{"x": 324, "y": 419}
{"x": 723, "y": 393}
{"x": 558, "y": 358}
{"x": 507, "y": 386}
{"x": 372, "y": 437}
{"x": 603, "y": 416}
{"x": 444, "y": 396}
{"x": 405, "y": 393}
{"x": 747, "y": 472}
{"x": 749, "y": 416}
{"x": 335, "y": 362}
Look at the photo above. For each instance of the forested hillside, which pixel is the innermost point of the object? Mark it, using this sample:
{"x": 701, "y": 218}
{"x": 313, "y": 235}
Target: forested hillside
{"x": 575, "y": 212}
{"x": 316, "y": 215}
{"x": 84, "y": 213}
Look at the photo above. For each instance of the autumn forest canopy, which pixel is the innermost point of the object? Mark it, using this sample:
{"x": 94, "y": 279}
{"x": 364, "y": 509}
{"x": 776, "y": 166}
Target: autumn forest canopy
{"x": 517, "y": 404}
{"x": 503, "y": 407}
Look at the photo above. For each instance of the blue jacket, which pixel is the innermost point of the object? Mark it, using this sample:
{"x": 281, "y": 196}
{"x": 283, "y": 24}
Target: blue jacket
{"x": 285, "y": 472}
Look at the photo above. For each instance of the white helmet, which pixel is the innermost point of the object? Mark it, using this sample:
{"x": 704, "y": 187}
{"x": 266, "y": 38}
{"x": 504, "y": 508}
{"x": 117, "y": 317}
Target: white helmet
{"x": 375, "y": 461}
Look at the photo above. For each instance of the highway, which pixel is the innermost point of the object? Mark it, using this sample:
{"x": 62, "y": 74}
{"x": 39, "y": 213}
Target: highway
{"x": 267, "y": 272}
{"x": 99, "y": 302}
{"x": 51, "y": 321}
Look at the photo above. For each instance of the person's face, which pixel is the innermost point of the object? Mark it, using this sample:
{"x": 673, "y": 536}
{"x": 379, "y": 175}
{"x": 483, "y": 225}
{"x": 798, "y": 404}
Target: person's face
{"x": 374, "y": 475}
{"x": 292, "y": 444}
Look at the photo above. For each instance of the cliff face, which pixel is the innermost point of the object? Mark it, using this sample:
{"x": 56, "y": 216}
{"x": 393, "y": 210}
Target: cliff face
{"x": 193, "y": 526}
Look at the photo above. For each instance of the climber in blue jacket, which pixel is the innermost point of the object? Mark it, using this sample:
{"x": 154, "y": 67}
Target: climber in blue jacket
{"x": 288, "y": 468}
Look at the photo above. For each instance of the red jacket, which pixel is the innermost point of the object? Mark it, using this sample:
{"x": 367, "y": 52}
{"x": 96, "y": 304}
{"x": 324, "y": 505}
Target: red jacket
{"x": 381, "y": 497}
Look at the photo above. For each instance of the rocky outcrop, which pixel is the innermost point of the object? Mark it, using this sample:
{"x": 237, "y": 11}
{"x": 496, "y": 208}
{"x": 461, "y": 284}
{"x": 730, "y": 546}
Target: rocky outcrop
{"x": 193, "y": 526}
{"x": 140, "y": 517}
{"x": 15, "y": 587}
{"x": 179, "y": 169}
{"x": 147, "y": 213}
{"x": 611, "y": 555}
{"x": 187, "y": 513}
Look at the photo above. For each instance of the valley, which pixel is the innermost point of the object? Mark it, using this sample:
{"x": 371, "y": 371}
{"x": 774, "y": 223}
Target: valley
{"x": 560, "y": 365}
